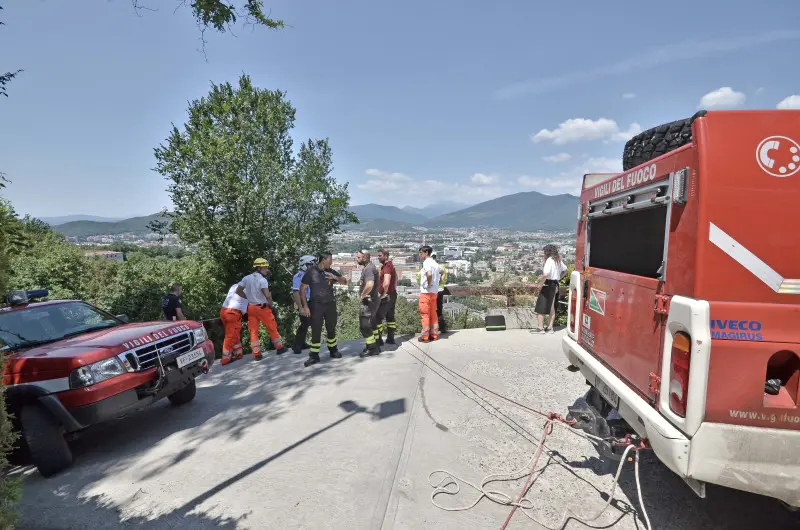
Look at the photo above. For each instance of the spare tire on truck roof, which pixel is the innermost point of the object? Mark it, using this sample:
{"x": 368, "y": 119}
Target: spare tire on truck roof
{"x": 658, "y": 141}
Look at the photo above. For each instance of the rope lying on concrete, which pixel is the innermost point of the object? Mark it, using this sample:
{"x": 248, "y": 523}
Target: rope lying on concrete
{"x": 449, "y": 483}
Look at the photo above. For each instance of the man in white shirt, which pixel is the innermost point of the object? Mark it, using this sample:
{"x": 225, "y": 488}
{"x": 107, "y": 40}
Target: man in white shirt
{"x": 429, "y": 290}
{"x": 255, "y": 288}
{"x": 233, "y": 310}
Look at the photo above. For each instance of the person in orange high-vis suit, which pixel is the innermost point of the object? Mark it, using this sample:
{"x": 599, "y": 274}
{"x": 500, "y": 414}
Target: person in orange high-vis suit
{"x": 255, "y": 288}
{"x": 429, "y": 290}
{"x": 232, "y": 313}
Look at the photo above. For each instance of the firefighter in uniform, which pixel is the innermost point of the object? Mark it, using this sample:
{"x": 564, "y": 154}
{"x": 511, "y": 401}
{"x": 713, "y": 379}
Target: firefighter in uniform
{"x": 322, "y": 305}
{"x": 300, "y": 343}
{"x": 255, "y": 288}
{"x": 387, "y": 288}
{"x": 370, "y": 301}
{"x": 429, "y": 289}
{"x": 232, "y": 313}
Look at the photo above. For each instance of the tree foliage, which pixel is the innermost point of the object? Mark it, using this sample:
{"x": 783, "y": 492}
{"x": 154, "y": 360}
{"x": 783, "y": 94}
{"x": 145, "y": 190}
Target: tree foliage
{"x": 8, "y": 76}
{"x": 238, "y": 190}
{"x": 10, "y": 243}
{"x": 220, "y": 15}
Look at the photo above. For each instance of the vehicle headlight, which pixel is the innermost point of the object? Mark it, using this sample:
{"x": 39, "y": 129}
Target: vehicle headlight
{"x": 200, "y": 335}
{"x": 94, "y": 373}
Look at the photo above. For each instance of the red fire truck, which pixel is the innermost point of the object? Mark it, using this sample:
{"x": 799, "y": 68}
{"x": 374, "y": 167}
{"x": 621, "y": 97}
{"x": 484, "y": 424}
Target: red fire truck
{"x": 70, "y": 365}
{"x": 684, "y": 306}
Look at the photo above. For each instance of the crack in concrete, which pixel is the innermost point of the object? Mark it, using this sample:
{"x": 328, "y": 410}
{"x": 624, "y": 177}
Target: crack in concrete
{"x": 439, "y": 426}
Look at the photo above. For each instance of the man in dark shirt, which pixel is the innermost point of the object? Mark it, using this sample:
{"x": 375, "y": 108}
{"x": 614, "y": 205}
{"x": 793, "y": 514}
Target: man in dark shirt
{"x": 322, "y": 305}
{"x": 172, "y": 305}
{"x": 387, "y": 287}
{"x": 370, "y": 301}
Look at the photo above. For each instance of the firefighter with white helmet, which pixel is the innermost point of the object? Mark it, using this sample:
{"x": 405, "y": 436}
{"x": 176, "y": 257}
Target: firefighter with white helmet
{"x": 304, "y": 264}
{"x": 255, "y": 288}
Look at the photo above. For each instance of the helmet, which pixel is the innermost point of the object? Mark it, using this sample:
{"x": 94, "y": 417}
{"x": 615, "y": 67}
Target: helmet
{"x": 260, "y": 262}
{"x": 306, "y": 262}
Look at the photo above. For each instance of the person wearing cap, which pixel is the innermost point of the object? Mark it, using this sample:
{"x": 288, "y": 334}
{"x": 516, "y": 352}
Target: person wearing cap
{"x": 300, "y": 343}
{"x": 255, "y": 288}
{"x": 232, "y": 313}
{"x": 321, "y": 305}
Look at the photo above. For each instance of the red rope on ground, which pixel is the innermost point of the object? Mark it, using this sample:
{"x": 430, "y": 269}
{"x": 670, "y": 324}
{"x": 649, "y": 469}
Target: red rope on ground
{"x": 548, "y": 429}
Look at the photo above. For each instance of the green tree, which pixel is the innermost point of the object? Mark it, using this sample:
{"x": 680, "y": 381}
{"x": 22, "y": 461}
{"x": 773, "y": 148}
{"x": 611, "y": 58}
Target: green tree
{"x": 238, "y": 190}
{"x": 215, "y": 14}
{"x": 10, "y": 242}
{"x": 8, "y": 76}
{"x": 220, "y": 15}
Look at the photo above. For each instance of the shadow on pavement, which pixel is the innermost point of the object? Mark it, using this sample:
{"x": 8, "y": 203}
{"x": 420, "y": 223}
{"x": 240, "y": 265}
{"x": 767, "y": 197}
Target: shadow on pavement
{"x": 672, "y": 505}
{"x": 383, "y": 410}
{"x": 230, "y": 400}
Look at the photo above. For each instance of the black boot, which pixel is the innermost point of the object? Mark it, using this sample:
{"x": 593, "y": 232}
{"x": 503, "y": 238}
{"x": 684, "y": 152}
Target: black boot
{"x": 306, "y": 346}
{"x": 370, "y": 350}
{"x": 312, "y": 360}
{"x": 334, "y": 353}
{"x": 297, "y": 350}
{"x": 379, "y": 342}
{"x": 390, "y": 337}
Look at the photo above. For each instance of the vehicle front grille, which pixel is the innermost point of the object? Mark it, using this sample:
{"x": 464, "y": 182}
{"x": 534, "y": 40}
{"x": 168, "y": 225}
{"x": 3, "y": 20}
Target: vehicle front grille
{"x": 169, "y": 349}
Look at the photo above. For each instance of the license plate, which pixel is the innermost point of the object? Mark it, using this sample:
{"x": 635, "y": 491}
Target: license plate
{"x": 189, "y": 358}
{"x": 608, "y": 394}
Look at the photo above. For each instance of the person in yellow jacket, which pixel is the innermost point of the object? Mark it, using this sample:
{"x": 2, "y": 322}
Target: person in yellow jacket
{"x": 440, "y": 294}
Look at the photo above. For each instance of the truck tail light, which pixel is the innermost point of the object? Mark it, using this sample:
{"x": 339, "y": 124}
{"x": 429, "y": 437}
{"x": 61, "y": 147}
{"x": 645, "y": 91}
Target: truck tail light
{"x": 573, "y": 310}
{"x": 679, "y": 373}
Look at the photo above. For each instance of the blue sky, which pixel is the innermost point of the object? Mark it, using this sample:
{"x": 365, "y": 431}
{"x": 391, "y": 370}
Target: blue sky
{"x": 465, "y": 100}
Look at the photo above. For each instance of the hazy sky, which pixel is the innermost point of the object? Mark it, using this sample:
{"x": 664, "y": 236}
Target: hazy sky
{"x": 480, "y": 98}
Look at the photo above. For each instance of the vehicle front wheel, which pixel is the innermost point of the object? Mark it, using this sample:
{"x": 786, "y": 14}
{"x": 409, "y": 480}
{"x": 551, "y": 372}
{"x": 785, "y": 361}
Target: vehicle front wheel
{"x": 184, "y": 395}
{"x": 44, "y": 436}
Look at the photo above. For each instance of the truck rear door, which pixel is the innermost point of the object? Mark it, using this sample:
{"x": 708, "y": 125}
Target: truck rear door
{"x": 625, "y": 245}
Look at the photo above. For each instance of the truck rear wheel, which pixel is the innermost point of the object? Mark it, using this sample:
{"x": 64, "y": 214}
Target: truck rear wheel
{"x": 184, "y": 395}
{"x": 657, "y": 141}
{"x": 44, "y": 437}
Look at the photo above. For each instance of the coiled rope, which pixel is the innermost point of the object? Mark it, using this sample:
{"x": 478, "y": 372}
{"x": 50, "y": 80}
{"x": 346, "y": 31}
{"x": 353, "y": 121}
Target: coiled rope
{"x": 449, "y": 482}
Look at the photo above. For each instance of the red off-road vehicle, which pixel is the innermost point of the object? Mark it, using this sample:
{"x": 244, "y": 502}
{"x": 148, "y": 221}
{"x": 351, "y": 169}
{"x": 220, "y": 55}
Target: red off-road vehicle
{"x": 70, "y": 365}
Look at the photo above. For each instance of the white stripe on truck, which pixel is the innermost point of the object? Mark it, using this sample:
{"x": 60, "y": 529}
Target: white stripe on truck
{"x": 751, "y": 262}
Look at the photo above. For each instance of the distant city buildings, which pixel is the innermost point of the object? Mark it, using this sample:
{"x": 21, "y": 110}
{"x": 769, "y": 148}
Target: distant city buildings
{"x": 105, "y": 254}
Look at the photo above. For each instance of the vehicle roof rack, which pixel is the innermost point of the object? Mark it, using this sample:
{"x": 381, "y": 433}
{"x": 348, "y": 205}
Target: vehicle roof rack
{"x": 18, "y": 298}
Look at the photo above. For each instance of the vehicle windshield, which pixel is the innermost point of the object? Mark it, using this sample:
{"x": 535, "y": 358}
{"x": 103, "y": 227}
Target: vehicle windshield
{"x": 36, "y": 325}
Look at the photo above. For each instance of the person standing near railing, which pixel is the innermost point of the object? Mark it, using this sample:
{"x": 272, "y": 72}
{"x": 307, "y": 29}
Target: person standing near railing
{"x": 554, "y": 270}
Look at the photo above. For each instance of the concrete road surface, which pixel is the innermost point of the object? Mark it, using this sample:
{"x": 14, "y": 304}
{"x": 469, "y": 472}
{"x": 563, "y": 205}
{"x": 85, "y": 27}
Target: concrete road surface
{"x": 350, "y": 444}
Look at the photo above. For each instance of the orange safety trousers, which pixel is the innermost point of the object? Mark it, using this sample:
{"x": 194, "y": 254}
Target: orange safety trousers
{"x": 232, "y": 345}
{"x": 256, "y": 316}
{"x": 430, "y": 319}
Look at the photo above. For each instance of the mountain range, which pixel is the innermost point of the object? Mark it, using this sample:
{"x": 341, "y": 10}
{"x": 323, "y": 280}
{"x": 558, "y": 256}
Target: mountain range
{"x": 526, "y": 211}
{"x": 55, "y": 221}
{"x": 134, "y": 225}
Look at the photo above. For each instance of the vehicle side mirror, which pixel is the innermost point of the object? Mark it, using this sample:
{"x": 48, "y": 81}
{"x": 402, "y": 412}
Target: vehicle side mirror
{"x": 124, "y": 318}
